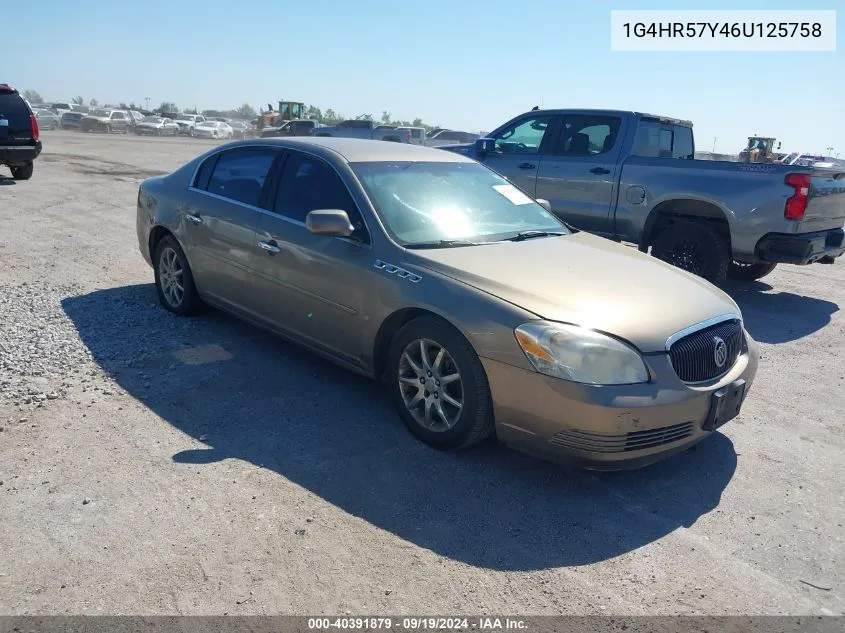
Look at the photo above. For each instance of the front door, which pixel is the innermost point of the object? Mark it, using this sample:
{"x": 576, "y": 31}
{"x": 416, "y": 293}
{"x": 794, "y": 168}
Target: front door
{"x": 219, "y": 221}
{"x": 579, "y": 172}
{"x": 518, "y": 150}
{"x": 311, "y": 285}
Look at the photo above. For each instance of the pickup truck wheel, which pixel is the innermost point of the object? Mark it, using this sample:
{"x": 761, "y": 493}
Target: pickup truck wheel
{"x": 24, "y": 172}
{"x": 696, "y": 248}
{"x": 750, "y": 272}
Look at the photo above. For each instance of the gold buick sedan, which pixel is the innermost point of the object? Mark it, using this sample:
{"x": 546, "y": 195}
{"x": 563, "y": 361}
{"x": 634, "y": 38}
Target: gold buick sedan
{"x": 483, "y": 314}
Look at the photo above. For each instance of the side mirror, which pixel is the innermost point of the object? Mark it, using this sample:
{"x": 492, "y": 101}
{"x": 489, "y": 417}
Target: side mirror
{"x": 545, "y": 204}
{"x": 329, "y": 222}
{"x": 484, "y": 146}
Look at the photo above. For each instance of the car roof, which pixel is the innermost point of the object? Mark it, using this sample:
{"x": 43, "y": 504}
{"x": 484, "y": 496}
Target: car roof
{"x": 619, "y": 113}
{"x": 354, "y": 150}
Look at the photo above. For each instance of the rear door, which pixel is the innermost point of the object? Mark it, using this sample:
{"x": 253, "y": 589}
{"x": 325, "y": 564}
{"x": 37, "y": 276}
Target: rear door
{"x": 15, "y": 126}
{"x": 578, "y": 174}
{"x": 519, "y": 149}
{"x": 220, "y": 217}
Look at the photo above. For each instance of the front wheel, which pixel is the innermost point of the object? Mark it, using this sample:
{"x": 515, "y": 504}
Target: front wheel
{"x": 695, "y": 247}
{"x": 439, "y": 386}
{"x": 174, "y": 280}
{"x": 750, "y": 272}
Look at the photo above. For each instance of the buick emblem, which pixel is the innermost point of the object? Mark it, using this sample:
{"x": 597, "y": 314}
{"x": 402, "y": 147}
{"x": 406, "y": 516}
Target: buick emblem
{"x": 720, "y": 352}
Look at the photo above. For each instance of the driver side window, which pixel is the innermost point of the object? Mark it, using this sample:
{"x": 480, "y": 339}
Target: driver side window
{"x": 524, "y": 136}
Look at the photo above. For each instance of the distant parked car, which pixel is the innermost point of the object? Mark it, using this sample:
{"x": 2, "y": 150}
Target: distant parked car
{"x": 156, "y": 126}
{"x": 450, "y": 137}
{"x": 240, "y": 129}
{"x": 299, "y": 127}
{"x": 363, "y": 128}
{"x": 187, "y": 122}
{"x": 47, "y": 119}
{"x": 71, "y": 120}
{"x": 418, "y": 136}
{"x": 106, "y": 121}
{"x": 213, "y": 129}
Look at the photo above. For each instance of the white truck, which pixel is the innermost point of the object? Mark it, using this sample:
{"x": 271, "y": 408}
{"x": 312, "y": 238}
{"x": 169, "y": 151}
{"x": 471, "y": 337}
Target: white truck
{"x": 187, "y": 122}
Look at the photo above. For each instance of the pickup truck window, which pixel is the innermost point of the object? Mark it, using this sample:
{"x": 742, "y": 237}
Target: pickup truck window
{"x": 657, "y": 140}
{"x": 524, "y": 136}
{"x": 584, "y": 135}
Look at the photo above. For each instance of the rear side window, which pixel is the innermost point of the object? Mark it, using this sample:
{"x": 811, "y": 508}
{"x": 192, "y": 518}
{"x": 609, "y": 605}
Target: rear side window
{"x": 656, "y": 140}
{"x": 13, "y": 109}
{"x": 239, "y": 174}
{"x": 586, "y": 135}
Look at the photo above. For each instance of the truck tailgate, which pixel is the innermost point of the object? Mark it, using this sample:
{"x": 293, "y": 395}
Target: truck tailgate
{"x": 826, "y": 204}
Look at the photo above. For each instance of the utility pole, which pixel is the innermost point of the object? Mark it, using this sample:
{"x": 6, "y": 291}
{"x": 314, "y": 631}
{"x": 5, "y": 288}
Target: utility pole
{"x": 147, "y": 101}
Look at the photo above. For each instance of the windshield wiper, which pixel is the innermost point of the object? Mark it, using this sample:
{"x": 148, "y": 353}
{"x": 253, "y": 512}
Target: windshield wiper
{"x": 443, "y": 244}
{"x": 527, "y": 235}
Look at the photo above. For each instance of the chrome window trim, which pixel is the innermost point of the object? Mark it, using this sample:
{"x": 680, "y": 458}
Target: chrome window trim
{"x": 701, "y": 325}
{"x": 276, "y": 147}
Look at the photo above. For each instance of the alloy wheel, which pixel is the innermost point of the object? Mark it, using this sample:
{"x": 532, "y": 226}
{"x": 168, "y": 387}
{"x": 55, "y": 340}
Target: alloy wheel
{"x": 431, "y": 385}
{"x": 171, "y": 277}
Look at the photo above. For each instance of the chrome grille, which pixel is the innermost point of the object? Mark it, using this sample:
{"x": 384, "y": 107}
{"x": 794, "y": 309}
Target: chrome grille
{"x": 694, "y": 357}
{"x": 634, "y": 441}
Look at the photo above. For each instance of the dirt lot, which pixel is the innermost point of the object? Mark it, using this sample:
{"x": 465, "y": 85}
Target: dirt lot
{"x": 157, "y": 465}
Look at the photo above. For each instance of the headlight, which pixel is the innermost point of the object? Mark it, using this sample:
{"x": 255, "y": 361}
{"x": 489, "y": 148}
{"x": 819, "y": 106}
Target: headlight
{"x": 580, "y": 355}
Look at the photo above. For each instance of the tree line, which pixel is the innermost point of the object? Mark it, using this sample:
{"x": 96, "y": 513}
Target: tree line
{"x": 245, "y": 111}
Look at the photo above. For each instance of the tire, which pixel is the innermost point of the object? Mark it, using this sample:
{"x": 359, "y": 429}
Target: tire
{"x": 24, "y": 172}
{"x": 750, "y": 272}
{"x": 473, "y": 421}
{"x": 168, "y": 254}
{"x": 694, "y": 247}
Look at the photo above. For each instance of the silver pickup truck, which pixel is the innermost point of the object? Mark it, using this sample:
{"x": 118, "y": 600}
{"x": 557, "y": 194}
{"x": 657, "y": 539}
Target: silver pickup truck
{"x": 632, "y": 177}
{"x": 364, "y": 128}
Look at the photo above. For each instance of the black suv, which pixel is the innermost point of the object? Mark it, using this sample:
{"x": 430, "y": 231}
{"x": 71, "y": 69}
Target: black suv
{"x": 19, "y": 143}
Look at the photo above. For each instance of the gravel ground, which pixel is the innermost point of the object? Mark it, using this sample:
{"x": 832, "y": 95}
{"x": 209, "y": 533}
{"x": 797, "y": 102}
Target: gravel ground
{"x": 157, "y": 465}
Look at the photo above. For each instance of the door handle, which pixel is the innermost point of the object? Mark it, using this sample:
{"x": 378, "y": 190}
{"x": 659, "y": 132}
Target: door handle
{"x": 526, "y": 165}
{"x": 271, "y": 247}
{"x": 599, "y": 170}
{"x": 194, "y": 218}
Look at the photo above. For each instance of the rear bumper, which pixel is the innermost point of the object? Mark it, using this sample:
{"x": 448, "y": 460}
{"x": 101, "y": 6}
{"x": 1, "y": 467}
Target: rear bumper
{"x": 802, "y": 248}
{"x": 15, "y": 155}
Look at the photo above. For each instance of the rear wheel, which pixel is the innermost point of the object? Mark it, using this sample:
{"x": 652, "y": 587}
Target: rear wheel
{"x": 694, "y": 247}
{"x": 750, "y": 272}
{"x": 438, "y": 385}
{"x": 174, "y": 281}
{"x": 23, "y": 172}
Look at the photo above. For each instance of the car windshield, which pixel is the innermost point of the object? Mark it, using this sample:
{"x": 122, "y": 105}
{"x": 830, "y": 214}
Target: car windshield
{"x": 184, "y": 118}
{"x": 103, "y": 113}
{"x": 208, "y": 124}
{"x": 429, "y": 202}
{"x": 153, "y": 119}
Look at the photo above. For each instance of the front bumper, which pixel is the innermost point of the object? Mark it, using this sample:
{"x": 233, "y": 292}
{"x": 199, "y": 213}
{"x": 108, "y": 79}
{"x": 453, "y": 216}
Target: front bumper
{"x": 802, "y": 248}
{"x": 18, "y": 155}
{"x": 607, "y": 428}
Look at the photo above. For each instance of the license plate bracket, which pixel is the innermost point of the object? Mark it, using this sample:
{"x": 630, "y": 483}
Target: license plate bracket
{"x": 725, "y": 405}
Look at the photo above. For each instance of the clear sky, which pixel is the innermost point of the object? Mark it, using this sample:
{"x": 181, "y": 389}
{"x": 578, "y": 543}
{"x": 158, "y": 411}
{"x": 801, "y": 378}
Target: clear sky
{"x": 465, "y": 64}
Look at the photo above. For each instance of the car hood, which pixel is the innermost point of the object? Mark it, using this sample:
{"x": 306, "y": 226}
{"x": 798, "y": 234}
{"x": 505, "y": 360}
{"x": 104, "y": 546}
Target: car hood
{"x": 96, "y": 118}
{"x": 588, "y": 281}
{"x": 150, "y": 123}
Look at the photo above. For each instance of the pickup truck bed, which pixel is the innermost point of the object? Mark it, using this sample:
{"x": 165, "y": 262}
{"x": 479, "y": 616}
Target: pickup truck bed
{"x": 632, "y": 177}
